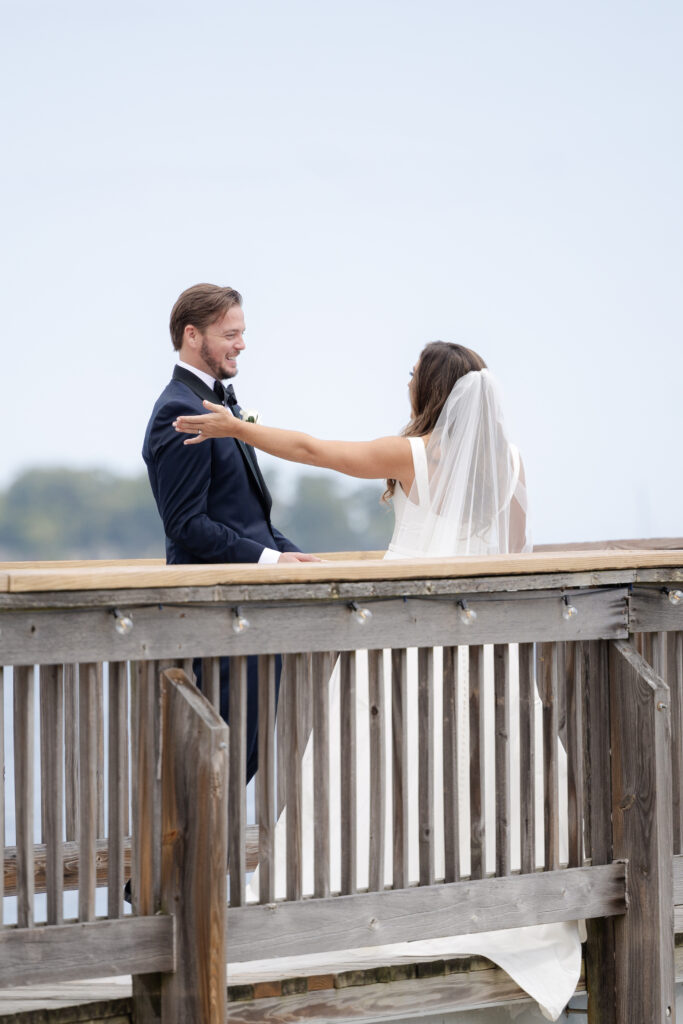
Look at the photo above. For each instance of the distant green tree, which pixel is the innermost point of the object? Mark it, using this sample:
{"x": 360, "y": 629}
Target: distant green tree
{"x": 66, "y": 513}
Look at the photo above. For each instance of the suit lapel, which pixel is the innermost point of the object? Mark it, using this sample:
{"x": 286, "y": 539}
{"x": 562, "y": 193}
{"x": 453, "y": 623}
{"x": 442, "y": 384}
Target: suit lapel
{"x": 205, "y": 393}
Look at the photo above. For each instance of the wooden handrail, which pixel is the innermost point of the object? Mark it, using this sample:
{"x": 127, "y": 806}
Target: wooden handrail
{"x": 127, "y": 576}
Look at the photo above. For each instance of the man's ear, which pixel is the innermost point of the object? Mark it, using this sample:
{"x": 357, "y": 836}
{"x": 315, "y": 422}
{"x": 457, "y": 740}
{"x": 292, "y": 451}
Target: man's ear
{"x": 191, "y": 337}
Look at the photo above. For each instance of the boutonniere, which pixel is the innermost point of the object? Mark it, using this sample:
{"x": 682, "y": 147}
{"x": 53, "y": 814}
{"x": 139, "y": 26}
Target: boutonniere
{"x": 250, "y": 415}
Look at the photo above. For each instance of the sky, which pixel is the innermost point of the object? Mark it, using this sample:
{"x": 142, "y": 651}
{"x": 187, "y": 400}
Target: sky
{"x": 371, "y": 176}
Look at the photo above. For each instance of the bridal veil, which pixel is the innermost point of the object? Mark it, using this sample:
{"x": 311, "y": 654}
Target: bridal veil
{"x": 476, "y": 502}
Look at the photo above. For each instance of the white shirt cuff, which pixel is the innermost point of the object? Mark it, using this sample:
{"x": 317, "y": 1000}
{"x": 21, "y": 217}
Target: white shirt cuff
{"x": 269, "y": 557}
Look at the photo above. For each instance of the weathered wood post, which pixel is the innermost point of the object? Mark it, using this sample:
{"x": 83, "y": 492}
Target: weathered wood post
{"x": 194, "y": 782}
{"x": 642, "y": 833}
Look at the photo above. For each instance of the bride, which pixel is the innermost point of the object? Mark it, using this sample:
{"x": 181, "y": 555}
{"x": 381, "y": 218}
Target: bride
{"x": 458, "y": 488}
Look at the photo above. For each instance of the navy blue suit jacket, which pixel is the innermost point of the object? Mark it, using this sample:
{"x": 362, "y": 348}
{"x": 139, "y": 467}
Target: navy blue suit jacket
{"x": 212, "y": 498}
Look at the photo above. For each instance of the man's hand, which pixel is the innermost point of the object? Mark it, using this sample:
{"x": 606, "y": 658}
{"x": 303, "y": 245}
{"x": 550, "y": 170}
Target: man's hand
{"x": 298, "y": 556}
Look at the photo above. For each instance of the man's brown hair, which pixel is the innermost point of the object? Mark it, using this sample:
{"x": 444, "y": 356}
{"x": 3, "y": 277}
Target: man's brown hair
{"x": 200, "y": 305}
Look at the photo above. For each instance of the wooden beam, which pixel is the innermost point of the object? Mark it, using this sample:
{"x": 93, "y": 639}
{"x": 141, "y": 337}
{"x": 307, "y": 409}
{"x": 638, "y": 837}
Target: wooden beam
{"x": 402, "y": 915}
{"x": 178, "y": 631}
{"x": 93, "y": 949}
{"x": 651, "y": 611}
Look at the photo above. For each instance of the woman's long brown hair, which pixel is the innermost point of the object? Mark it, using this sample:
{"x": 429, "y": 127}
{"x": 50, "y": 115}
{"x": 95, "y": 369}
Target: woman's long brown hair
{"x": 439, "y": 368}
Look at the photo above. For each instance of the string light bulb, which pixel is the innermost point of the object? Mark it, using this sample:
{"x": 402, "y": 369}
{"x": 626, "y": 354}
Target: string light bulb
{"x": 361, "y": 615}
{"x": 467, "y": 614}
{"x": 123, "y": 622}
{"x": 569, "y": 610}
{"x": 675, "y": 596}
{"x": 240, "y": 623}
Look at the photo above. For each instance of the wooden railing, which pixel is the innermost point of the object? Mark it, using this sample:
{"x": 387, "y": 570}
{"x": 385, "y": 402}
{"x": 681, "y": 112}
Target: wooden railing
{"x": 558, "y": 797}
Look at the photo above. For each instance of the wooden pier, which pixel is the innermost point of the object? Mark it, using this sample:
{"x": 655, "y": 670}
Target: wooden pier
{"x": 140, "y": 776}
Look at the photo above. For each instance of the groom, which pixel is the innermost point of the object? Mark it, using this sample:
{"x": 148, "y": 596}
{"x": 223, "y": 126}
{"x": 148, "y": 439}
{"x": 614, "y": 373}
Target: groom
{"x": 212, "y": 498}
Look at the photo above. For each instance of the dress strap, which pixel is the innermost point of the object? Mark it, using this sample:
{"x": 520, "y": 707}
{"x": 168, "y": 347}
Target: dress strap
{"x": 421, "y": 472}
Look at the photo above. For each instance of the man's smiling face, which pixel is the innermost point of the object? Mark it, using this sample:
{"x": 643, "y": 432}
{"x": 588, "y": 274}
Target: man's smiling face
{"x": 221, "y": 343}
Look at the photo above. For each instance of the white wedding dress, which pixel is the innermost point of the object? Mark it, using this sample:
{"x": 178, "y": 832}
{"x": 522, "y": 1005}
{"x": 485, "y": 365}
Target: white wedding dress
{"x": 544, "y": 960}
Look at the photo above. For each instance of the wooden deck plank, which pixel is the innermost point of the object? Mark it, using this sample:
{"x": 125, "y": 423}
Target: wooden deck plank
{"x": 417, "y": 997}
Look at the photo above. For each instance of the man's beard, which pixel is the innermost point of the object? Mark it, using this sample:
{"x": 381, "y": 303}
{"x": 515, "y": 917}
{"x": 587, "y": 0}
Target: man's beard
{"x": 217, "y": 369}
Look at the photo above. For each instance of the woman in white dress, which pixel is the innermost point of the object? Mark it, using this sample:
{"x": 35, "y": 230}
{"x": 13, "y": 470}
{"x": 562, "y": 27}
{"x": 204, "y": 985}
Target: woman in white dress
{"x": 458, "y": 488}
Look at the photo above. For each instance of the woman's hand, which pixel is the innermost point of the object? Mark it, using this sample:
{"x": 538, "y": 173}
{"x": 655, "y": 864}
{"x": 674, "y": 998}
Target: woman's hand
{"x": 218, "y": 422}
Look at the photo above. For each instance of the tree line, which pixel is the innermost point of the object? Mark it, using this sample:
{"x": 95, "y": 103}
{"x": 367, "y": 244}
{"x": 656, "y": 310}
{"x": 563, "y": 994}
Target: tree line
{"x": 62, "y": 513}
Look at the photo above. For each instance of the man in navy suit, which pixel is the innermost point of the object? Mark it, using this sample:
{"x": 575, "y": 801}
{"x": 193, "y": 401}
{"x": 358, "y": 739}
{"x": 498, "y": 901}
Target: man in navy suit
{"x": 212, "y": 498}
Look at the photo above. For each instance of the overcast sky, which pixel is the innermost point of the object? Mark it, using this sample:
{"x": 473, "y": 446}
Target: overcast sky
{"x": 371, "y": 176}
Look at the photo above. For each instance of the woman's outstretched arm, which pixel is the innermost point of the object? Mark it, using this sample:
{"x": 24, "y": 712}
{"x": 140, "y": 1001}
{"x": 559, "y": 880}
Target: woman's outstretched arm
{"x": 372, "y": 460}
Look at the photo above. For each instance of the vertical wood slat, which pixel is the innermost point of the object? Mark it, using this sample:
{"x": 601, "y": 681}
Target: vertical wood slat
{"x": 44, "y": 725}
{"x": 399, "y": 745}
{"x": 24, "y": 690}
{"x": 477, "y": 763}
{"x": 117, "y": 784}
{"x": 281, "y": 738}
{"x": 293, "y": 751}
{"x": 2, "y": 787}
{"x": 575, "y": 785}
{"x": 547, "y": 674}
{"x": 501, "y": 684}
{"x": 659, "y": 652}
{"x": 646, "y": 646}
{"x": 378, "y": 773}
{"x": 211, "y": 681}
{"x": 425, "y": 734}
{"x": 52, "y": 758}
{"x": 451, "y": 803}
{"x": 71, "y": 762}
{"x": 146, "y": 739}
{"x": 320, "y": 673}
{"x": 348, "y": 777}
{"x": 265, "y": 777}
{"x": 306, "y": 698}
{"x": 99, "y": 717}
{"x": 527, "y": 758}
{"x": 600, "y": 965}
{"x": 675, "y": 681}
{"x": 88, "y": 674}
{"x": 641, "y": 820}
{"x": 237, "y": 784}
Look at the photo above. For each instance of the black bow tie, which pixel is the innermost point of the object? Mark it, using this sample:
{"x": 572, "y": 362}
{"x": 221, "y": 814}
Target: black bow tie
{"x": 226, "y": 395}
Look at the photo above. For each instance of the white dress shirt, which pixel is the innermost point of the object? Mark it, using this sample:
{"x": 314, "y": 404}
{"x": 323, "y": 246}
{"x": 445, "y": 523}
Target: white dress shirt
{"x": 269, "y": 556}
